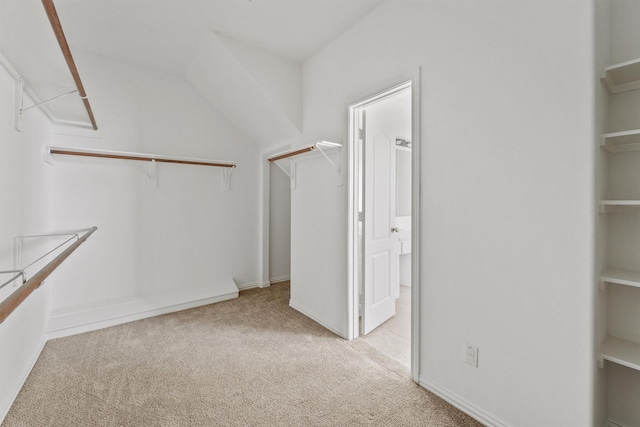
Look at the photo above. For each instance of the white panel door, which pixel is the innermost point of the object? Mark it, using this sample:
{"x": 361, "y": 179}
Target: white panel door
{"x": 380, "y": 258}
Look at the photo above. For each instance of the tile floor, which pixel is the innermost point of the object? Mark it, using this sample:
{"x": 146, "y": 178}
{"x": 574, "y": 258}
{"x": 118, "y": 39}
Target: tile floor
{"x": 393, "y": 337}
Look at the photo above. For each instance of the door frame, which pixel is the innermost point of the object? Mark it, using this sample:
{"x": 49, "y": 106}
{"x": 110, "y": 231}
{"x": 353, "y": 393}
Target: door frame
{"x": 354, "y": 249}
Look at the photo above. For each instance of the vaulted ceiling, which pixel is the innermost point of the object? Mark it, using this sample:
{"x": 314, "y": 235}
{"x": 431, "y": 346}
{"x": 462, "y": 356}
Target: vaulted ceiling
{"x": 222, "y": 47}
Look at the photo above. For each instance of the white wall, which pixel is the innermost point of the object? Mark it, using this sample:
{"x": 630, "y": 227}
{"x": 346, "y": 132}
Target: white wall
{"x": 25, "y": 207}
{"x": 506, "y": 188}
{"x": 279, "y": 225}
{"x": 186, "y": 235}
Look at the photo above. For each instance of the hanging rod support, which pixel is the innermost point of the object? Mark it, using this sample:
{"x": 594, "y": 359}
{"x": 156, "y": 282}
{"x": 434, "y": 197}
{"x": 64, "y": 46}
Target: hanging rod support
{"x": 20, "y": 273}
{"x": 226, "y": 178}
{"x": 20, "y": 294}
{"x": 290, "y": 175}
{"x": 48, "y": 100}
{"x": 336, "y": 167}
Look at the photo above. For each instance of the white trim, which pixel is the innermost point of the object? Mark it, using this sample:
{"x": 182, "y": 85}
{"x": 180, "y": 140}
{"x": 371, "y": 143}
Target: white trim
{"x": 461, "y": 404}
{"x": 25, "y": 375}
{"x": 416, "y": 220}
{"x": 265, "y": 221}
{"x": 91, "y": 317}
{"x": 300, "y": 308}
{"x": 279, "y": 279}
{"x": 253, "y": 285}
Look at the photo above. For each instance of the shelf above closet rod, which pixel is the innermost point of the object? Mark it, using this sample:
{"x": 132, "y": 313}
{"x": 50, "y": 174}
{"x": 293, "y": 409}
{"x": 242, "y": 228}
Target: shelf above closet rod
{"x": 316, "y": 146}
{"x": 52, "y": 14}
{"x": 138, "y": 156}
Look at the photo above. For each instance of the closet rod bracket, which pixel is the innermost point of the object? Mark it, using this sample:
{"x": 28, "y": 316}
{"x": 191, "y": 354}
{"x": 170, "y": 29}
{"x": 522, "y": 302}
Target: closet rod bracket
{"x": 152, "y": 174}
{"x": 226, "y": 178}
{"x": 22, "y": 109}
{"x": 291, "y": 175}
{"x": 319, "y": 147}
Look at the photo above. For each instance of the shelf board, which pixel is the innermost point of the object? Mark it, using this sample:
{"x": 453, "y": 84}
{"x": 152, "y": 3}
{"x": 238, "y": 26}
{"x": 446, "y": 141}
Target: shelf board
{"x": 608, "y": 205}
{"x": 621, "y": 277}
{"x": 622, "y": 352}
{"x": 617, "y": 142}
{"x": 622, "y": 77}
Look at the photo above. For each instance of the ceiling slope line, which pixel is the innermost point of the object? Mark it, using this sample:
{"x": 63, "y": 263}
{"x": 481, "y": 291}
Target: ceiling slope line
{"x": 218, "y": 74}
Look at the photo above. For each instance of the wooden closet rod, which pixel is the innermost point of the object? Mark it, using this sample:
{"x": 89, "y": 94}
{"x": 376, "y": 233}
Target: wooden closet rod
{"x": 16, "y": 298}
{"x": 291, "y": 154}
{"x": 66, "y": 52}
{"x": 139, "y": 157}
{"x": 318, "y": 145}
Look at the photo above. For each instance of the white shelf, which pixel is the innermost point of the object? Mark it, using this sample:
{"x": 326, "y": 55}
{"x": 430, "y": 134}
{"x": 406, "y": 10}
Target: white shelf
{"x": 617, "y": 142}
{"x": 622, "y": 352}
{"x": 621, "y": 277}
{"x": 609, "y": 205}
{"x": 622, "y": 77}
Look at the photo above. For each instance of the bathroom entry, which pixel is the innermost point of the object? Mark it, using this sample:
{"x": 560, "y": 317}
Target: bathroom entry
{"x": 384, "y": 151}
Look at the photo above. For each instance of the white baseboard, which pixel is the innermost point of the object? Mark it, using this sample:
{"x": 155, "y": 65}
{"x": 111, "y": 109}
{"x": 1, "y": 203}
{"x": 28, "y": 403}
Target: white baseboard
{"x": 85, "y": 318}
{"x": 279, "y": 279}
{"x": 461, "y": 404}
{"x": 252, "y": 285}
{"x": 310, "y": 314}
{"x": 34, "y": 358}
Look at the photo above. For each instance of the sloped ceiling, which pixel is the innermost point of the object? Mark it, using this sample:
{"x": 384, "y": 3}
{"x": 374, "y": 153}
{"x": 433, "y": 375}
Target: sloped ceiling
{"x": 251, "y": 46}
{"x": 259, "y": 92}
{"x": 164, "y": 34}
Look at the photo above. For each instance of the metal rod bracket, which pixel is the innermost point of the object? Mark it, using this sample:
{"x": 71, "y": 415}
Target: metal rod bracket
{"x": 291, "y": 175}
{"x": 22, "y": 109}
{"x": 336, "y": 167}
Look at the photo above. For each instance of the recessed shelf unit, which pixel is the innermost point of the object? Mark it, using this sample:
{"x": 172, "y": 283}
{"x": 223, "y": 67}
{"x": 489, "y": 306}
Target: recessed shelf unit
{"x": 618, "y": 142}
{"x": 154, "y": 159}
{"x": 622, "y": 77}
{"x": 620, "y": 351}
{"x": 297, "y": 152}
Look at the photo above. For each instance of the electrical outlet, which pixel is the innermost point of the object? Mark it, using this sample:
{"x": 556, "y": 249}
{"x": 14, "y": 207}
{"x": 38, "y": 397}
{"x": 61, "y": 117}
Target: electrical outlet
{"x": 471, "y": 355}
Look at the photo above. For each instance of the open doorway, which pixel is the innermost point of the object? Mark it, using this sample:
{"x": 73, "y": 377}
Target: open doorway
{"x": 382, "y": 145}
{"x": 279, "y": 225}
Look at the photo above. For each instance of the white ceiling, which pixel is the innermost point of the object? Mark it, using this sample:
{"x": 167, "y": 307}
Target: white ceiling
{"x": 164, "y": 34}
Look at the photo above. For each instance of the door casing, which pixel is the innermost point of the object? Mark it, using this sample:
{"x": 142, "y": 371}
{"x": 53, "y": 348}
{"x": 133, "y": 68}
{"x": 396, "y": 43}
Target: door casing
{"x": 354, "y": 249}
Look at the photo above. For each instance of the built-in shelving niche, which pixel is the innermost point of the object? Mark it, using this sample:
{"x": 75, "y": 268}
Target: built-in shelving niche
{"x": 619, "y": 78}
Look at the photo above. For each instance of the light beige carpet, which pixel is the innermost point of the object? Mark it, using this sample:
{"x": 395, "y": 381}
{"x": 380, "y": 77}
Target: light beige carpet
{"x": 252, "y": 361}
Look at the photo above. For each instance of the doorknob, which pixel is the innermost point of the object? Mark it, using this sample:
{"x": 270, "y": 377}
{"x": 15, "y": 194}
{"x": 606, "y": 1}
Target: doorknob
{"x": 395, "y": 229}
